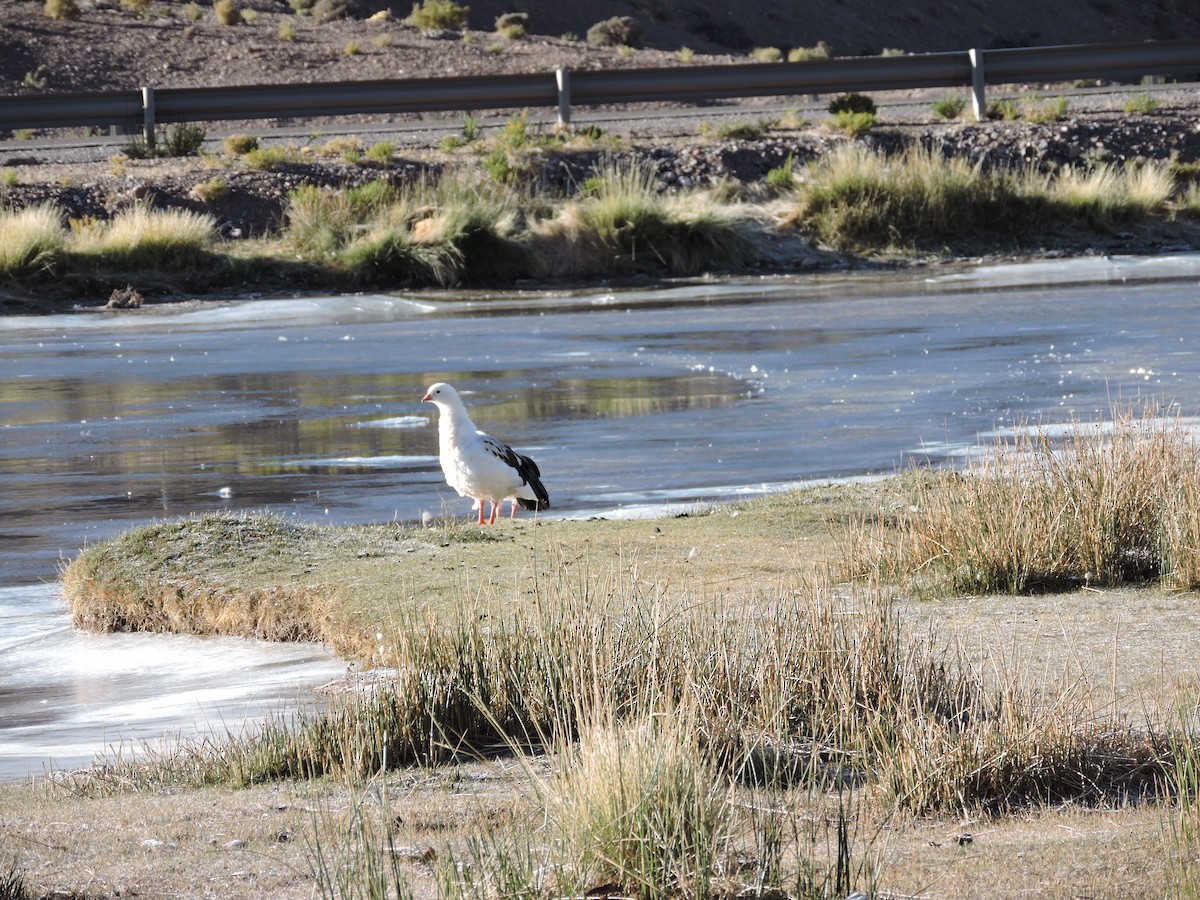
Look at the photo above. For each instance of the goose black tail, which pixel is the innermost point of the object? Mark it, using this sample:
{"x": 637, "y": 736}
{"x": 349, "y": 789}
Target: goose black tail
{"x": 529, "y": 471}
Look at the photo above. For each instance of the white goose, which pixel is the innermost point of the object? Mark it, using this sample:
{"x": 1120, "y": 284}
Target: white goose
{"x": 479, "y": 466}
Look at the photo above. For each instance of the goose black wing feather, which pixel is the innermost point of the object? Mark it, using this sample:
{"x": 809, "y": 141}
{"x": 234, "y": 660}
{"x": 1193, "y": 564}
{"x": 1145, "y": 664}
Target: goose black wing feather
{"x": 526, "y": 468}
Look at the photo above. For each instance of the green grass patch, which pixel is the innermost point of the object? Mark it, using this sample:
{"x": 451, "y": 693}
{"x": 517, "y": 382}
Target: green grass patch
{"x": 857, "y": 198}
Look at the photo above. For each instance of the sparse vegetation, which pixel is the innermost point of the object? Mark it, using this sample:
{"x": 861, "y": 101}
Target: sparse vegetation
{"x": 31, "y": 240}
{"x": 1036, "y": 110}
{"x": 36, "y": 78}
{"x": 619, "y": 31}
{"x": 804, "y": 54}
{"x": 437, "y": 15}
{"x": 854, "y": 123}
{"x": 211, "y": 190}
{"x": 744, "y": 131}
{"x": 287, "y": 30}
{"x": 193, "y": 11}
{"x": 685, "y": 54}
{"x": 239, "y": 144}
{"x": 183, "y": 139}
{"x": 512, "y": 26}
{"x": 380, "y": 152}
{"x": 783, "y": 178}
{"x": 63, "y": 10}
{"x": 227, "y": 12}
{"x": 1109, "y": 505}
{"x": 852, "y": 103}
{"x": 855, "y": 197}
{"x": 1140, "y": 105}
{"x": 949, "y": 107}
{"x": 766, "y": 54}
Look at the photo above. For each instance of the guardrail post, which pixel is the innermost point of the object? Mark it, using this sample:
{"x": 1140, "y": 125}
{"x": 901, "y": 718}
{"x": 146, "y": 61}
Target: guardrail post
{"x": 978, "y": 100}
{"x": 562, "y": 78}
{"x": 148, "y": 116}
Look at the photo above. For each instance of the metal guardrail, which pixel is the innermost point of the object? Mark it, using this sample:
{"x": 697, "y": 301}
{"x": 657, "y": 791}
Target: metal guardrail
{"x": 967, "y": 68}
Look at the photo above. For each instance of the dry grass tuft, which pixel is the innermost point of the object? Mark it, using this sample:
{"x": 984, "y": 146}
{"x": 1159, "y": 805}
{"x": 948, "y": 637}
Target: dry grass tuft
{"x": 31, "y": 240}
{"x": 1100, "y": 504}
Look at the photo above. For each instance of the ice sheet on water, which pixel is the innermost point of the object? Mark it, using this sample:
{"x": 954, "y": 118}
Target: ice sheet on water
{"x": 66, "y": 695}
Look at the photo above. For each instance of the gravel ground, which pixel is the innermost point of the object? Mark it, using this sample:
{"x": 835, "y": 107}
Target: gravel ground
{"x": 92, "y": 178}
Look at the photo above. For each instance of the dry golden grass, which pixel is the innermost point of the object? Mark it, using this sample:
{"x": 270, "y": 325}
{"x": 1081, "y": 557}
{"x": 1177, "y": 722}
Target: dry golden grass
{"x": 808, "y": 722}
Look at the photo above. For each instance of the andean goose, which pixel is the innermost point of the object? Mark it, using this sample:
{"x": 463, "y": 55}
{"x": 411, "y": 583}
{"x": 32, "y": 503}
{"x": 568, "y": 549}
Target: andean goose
{"x": 479, "y": 466}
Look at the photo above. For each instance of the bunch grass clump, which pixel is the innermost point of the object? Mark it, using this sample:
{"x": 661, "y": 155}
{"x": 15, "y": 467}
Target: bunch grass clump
{"x": 640, "y": 805}
{"x": 1099, "y": 505}
{"x": 856, "y": 197}
{"x": 440, "y": 230}
{"x": 142, "y": 237}
{"x": 31, "y": 240}
{"x": 622, "y": 223}
{"x": 437, "y": 15}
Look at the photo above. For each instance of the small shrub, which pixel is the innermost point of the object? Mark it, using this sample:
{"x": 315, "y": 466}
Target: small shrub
{"x": 352, "y": 48}
{"x": 470, "y": 126}
{"x": 61, "y": 10}
{"x": 1040, "y": 112}
{"x": 1004, "y": 109}
{"x": 301, "y": 7}
{"x": 893, "y": 51}
{"x": 140, "y": 8}
{"x": 513, "y": 25}
{"x": 330, "y": 10}
{"x": 193, "y": 11}
{"x": 249, "y": 16}
{"x": 380, "y": 152}
{"x": 854, "y": 123}
{"x": 268, "y": 159}
{"x": 451, "y": 142}
{"x": 381, "y": 41}
{"x": 37, "y": 77}
{"x": 437, "y": 15}
{"x": 852, "y": 103}
{"x": 949, "y": 107}
{"x": 287, "y": 30}
{"x": 239, "y": 144}
{"x": 619, "y": 31}
{"x": 500, "y": 168}
{"x": 766, "y": 54}
{"x": 212, "y": 190}
{"x": 227, "y": 12}
{"x": 742, "y": 131}
{"x": 183, "y": 139}
{"x": 9, "y": 177}
{"x": 804, "y": 54}
{"x": 783, "y": 178}
{"x": 685, "y": 54}
{"x": 1140, "y": 105}
{"x": 340, "y": 146}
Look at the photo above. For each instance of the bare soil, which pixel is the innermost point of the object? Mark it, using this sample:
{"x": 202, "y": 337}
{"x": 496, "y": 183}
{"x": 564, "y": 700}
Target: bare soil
{"x": 127, "y": 45}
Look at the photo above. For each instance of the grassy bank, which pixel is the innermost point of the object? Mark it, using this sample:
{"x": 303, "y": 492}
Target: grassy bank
{"x": 746, "y": 698}
{"x": 495, "y": 220}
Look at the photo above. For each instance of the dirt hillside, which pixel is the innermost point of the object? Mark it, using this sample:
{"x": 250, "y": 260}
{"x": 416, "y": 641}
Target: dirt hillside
{"x": 130, "y": 43}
